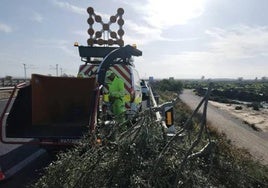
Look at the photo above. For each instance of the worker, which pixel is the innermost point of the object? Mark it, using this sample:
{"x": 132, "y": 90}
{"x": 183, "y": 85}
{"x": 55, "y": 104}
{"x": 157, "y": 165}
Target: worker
{"x": 116, "y": 95}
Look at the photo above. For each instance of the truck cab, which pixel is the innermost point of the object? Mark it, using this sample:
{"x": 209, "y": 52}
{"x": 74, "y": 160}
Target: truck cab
{"x": 124, "y": 69}
{"x": 130, "y": 76}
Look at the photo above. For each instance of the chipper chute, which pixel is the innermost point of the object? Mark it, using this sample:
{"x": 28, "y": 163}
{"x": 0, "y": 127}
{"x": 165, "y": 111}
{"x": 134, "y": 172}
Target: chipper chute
{"x": 49, "y": 108}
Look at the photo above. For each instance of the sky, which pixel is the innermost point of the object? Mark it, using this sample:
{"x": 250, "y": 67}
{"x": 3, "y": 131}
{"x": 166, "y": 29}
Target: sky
{"x": 184, "y": 39}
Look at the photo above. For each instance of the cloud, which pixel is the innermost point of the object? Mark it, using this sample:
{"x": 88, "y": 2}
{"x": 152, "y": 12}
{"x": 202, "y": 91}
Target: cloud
{"x": 240, "y": 41}
{"x": 37, "y": 17}
{"x": 63, "y": 45}
{"x": 229, "y": 53}
{"x": 141, "y": 33}
{"x": 81, "y": 33}
{"x": 228, "y": 47}
{"x": 5, "y": 28}
{"x": 145, "y": 34}
{"x": 163, "y": 14}
{"x": 70, "y": 7}
{"x": 157, "y": 16}
{"x": 78, "y": 10}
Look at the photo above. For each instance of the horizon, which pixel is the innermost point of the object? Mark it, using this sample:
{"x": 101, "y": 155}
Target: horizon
{"x": 186, "y": 39}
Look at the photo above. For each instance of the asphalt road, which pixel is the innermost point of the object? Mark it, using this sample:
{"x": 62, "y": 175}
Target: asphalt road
{"x": 239, "y": 133}
{"x": 21, "y": 164}
{"x": 5, "y": 148}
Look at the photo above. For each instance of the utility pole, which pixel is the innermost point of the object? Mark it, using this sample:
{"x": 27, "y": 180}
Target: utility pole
{"x": 24, "y": 65}
{"x": 57, "y": 69}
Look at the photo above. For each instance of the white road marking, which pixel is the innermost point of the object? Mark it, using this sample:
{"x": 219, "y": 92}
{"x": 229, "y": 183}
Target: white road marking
{"x": 13, "y": 170}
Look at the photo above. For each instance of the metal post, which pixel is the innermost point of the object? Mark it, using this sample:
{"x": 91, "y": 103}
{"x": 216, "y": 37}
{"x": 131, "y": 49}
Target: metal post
{"x": 56, "y": 69}
{"x": 24, "y": 65}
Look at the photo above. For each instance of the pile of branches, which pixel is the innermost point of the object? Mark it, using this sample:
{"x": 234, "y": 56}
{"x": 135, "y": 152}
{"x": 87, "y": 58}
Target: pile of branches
{"x": 123, "y": 155}
{"x": 138, "y": 153}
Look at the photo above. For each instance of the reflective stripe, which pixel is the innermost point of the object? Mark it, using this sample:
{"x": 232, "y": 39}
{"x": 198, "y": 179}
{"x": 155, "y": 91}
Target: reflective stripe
{"x": 124, "y": 72}
{"x": 127, "y": 98}
{"x": 137, "y": 100}
{"x": 88, "y": 70}
{"x": 168, "y": 118}
{"x": 106, "y": 98}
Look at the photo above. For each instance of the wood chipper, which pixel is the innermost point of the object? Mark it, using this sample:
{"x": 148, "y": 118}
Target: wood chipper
{"x": 60, "y": 110}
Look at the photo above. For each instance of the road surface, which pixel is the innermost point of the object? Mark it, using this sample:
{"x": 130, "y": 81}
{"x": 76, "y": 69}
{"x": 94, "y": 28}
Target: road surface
{"x": 5, "y": 148}
{"x": 21, "y": 164}
{"x": 239, "y": 133}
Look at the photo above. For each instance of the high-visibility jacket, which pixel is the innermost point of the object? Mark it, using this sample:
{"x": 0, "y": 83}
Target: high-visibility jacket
{"x": 117, "y": 95}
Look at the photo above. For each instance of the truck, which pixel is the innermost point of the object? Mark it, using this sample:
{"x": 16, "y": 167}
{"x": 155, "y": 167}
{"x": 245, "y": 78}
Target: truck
{"x": 61, "y": 110}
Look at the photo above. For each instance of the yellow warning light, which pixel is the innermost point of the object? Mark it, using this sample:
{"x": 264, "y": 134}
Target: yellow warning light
{"x": 76, "y": 44}
{"x": 169, "y": 118}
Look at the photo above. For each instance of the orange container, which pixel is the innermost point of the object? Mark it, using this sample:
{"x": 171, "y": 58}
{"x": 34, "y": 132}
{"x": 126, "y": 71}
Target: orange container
{"x": 57, "y": 100}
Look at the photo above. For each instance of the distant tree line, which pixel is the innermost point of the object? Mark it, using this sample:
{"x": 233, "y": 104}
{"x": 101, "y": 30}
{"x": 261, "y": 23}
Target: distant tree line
{"x": 248, "y": 91}
{"x": 167, "y": 85}
{"x": 8, "y": 81}
{"x": 234, "y": 94}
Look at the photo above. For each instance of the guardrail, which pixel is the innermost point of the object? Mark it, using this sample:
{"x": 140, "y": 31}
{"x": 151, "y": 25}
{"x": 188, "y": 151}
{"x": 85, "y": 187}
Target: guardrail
{"x": 11, "y": 82}
{"x": 6, "y": 88}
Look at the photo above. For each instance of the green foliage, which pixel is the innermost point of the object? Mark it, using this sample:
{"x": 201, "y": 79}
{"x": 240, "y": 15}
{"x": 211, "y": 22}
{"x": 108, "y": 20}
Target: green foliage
{"x": 167, "y": 85}
{"x": 234, "y": 167}
{"x": 134, "y": 157}
{"x": 247, "y": 90}
{"x": 255, "y": 106}
{"x": 8, "y": 78}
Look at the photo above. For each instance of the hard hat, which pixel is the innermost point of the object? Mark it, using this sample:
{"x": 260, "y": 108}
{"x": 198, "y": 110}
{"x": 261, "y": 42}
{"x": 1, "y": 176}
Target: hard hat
{"x": 109, "y": 73}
